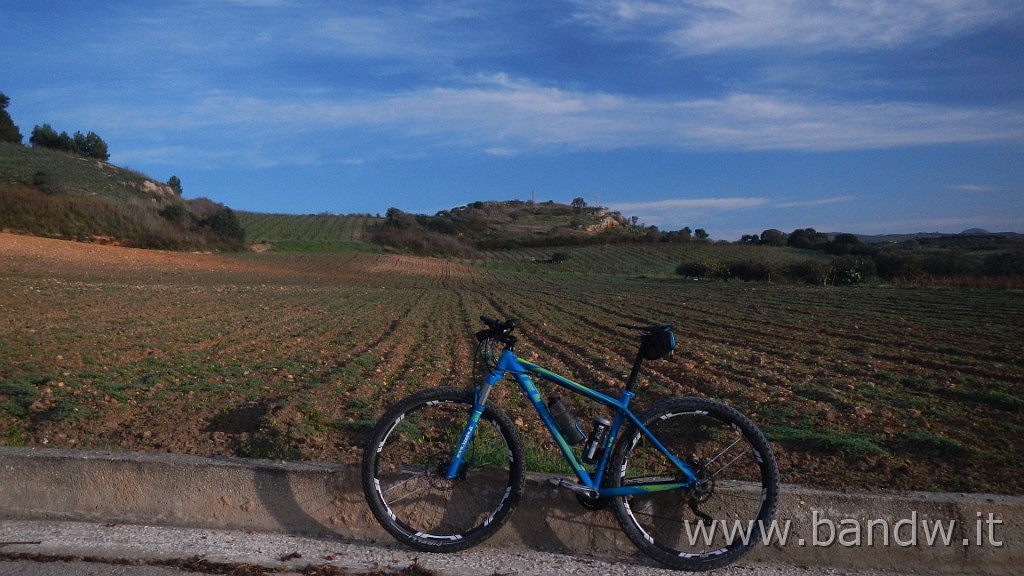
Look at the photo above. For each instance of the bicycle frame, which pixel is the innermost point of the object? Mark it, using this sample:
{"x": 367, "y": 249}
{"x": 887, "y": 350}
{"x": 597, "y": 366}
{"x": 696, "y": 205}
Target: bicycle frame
{"x": 520, "y": 369}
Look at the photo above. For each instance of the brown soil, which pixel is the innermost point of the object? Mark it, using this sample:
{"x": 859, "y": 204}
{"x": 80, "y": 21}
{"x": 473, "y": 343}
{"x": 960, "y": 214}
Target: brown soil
{"x": 294, "y": 356}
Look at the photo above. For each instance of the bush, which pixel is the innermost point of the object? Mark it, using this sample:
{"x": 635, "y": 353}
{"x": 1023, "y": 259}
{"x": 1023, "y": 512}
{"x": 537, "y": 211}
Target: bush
{"x": 891, "y": 265}
{"x": 225, "y": 224}
{"x": 950, "y": 263}
{"x": 1004, "y": 264}
{"x": 757, "y": 271}
{"x": 47, "y": 183}
{"x": 403, "y": 231}
{"x": 712, "y": 269}
{"x": 810, "y": 271}
{"x": 176, "y": 213}
{"x": 848, "y": 270}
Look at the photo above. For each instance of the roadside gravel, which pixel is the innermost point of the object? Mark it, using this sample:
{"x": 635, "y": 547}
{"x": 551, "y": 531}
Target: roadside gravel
{"x": 148, "y": 548}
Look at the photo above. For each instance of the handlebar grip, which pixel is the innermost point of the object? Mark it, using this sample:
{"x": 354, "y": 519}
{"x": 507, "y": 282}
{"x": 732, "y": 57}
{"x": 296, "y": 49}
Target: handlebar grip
{"x": 497, "y": 328}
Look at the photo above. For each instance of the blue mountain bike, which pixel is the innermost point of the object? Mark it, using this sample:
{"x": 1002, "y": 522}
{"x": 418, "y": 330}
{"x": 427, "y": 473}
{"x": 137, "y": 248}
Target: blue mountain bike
{"x": 691, "y": 480}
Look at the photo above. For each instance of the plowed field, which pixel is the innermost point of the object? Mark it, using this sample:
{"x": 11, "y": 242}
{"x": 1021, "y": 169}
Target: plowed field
{"x": 292, "y": 356}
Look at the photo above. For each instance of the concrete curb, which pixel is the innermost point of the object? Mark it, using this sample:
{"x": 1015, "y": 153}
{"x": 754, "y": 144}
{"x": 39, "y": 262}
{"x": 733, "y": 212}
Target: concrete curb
{"x": 850, "y": 530}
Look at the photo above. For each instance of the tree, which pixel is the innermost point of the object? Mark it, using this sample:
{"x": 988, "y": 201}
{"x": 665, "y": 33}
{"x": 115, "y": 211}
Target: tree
{"x": 91, "y": 146}
{"x": 395, "y": 218}
{"x": 175, "y": 183}
{"x": 773, "y": 237}
{"x": 46, "y": 137}
{"x": 807, "y": 238}
{"x": 700, "y": 234}
{"x": 8, "y": 131}
{"x": 842, "y": 244}
{"x": 578, "y": 203}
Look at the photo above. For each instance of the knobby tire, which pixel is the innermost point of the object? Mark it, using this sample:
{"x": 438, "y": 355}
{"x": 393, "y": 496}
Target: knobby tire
{"x": 738, "y": 484}
{"x": 404, "y": 464}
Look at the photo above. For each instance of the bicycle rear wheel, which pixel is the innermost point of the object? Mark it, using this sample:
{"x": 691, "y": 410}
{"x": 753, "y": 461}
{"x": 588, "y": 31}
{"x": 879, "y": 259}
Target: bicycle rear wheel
{"x": 718, "y": 520}
{"x": 404, "y": 467}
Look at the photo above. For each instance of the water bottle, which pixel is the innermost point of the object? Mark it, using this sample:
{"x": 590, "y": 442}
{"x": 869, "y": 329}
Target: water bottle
{"x": 566, "y": 421}
{"x": 595, "y": 441}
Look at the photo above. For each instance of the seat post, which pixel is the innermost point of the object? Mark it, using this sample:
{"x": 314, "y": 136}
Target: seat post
{"x": 634, "y": 372}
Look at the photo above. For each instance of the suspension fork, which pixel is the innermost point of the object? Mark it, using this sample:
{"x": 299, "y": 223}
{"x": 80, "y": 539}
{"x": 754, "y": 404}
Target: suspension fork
{"x": 479, "y": 401}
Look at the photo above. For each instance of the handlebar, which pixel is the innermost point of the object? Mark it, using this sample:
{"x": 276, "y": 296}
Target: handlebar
{"x": 497, "y": 330}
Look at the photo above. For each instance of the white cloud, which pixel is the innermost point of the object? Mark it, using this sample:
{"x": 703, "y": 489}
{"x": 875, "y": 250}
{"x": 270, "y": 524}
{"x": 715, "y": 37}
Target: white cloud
{"x": 504, "y": 117}
{"x": 702, "y": 205}
{"x": 819, "y": 202}
{"x": 194, "y": 85}
{"x": 973, "y": 188}
{"x": 675, "y": 213}
{"x": 707, "y": 26}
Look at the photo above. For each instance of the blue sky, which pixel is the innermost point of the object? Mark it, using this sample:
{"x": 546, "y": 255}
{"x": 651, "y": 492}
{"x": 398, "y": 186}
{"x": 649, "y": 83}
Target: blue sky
{"x": 730, "y": 115}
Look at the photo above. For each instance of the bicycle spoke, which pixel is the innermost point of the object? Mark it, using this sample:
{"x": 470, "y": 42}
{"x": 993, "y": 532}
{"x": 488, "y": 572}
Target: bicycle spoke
{"x": 403, "y": 496}
{"x": 718, "y": 445}
{"x": 423, "y": 508}
{"x": 729, "y": 463}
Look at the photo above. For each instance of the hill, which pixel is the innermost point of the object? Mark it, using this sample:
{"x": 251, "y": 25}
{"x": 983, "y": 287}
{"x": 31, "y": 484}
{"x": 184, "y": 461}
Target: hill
{"x": 54, "y": 172}
{"x": 55, "y": 194}
{"x": 464, "y": 230}
{"x": 44, "y": 192}
{"x": 970, "y": 236}
{"x": 515, "y": 223}
{"x": 59, "y": 195}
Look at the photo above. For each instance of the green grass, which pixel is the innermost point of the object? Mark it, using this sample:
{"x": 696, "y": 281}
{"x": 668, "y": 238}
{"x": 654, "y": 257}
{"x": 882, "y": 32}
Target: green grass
{"x": 310, "y": 233}
{"x": 640, "y": 260}
{"x": 809, "y": 439}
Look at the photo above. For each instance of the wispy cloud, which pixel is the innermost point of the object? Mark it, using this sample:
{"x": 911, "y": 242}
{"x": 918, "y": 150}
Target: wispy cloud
{"x": 695, "y": 204}
{"x": 973, "y": 188}
{"x": 705, "y": 26}
{"x": 819, "y": 202}
{"x": 674, "y": 213}
{"x": 408, "y": 31}
{"x": 506, "y": 116}
{"x": 205, "y": 83}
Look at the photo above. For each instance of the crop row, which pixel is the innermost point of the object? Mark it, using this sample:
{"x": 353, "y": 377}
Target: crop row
{"x": 275, "y": 228}
{"x": 633, "y": 259}
{"x": 293, "y": 356}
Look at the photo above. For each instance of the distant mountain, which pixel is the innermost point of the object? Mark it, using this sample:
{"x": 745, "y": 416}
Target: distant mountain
{"x": 972, "y": 232}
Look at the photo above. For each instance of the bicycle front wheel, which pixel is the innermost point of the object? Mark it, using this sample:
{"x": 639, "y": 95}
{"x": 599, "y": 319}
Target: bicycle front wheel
{"x": 405, "y": 464}
{"x": 718, "y": 519}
